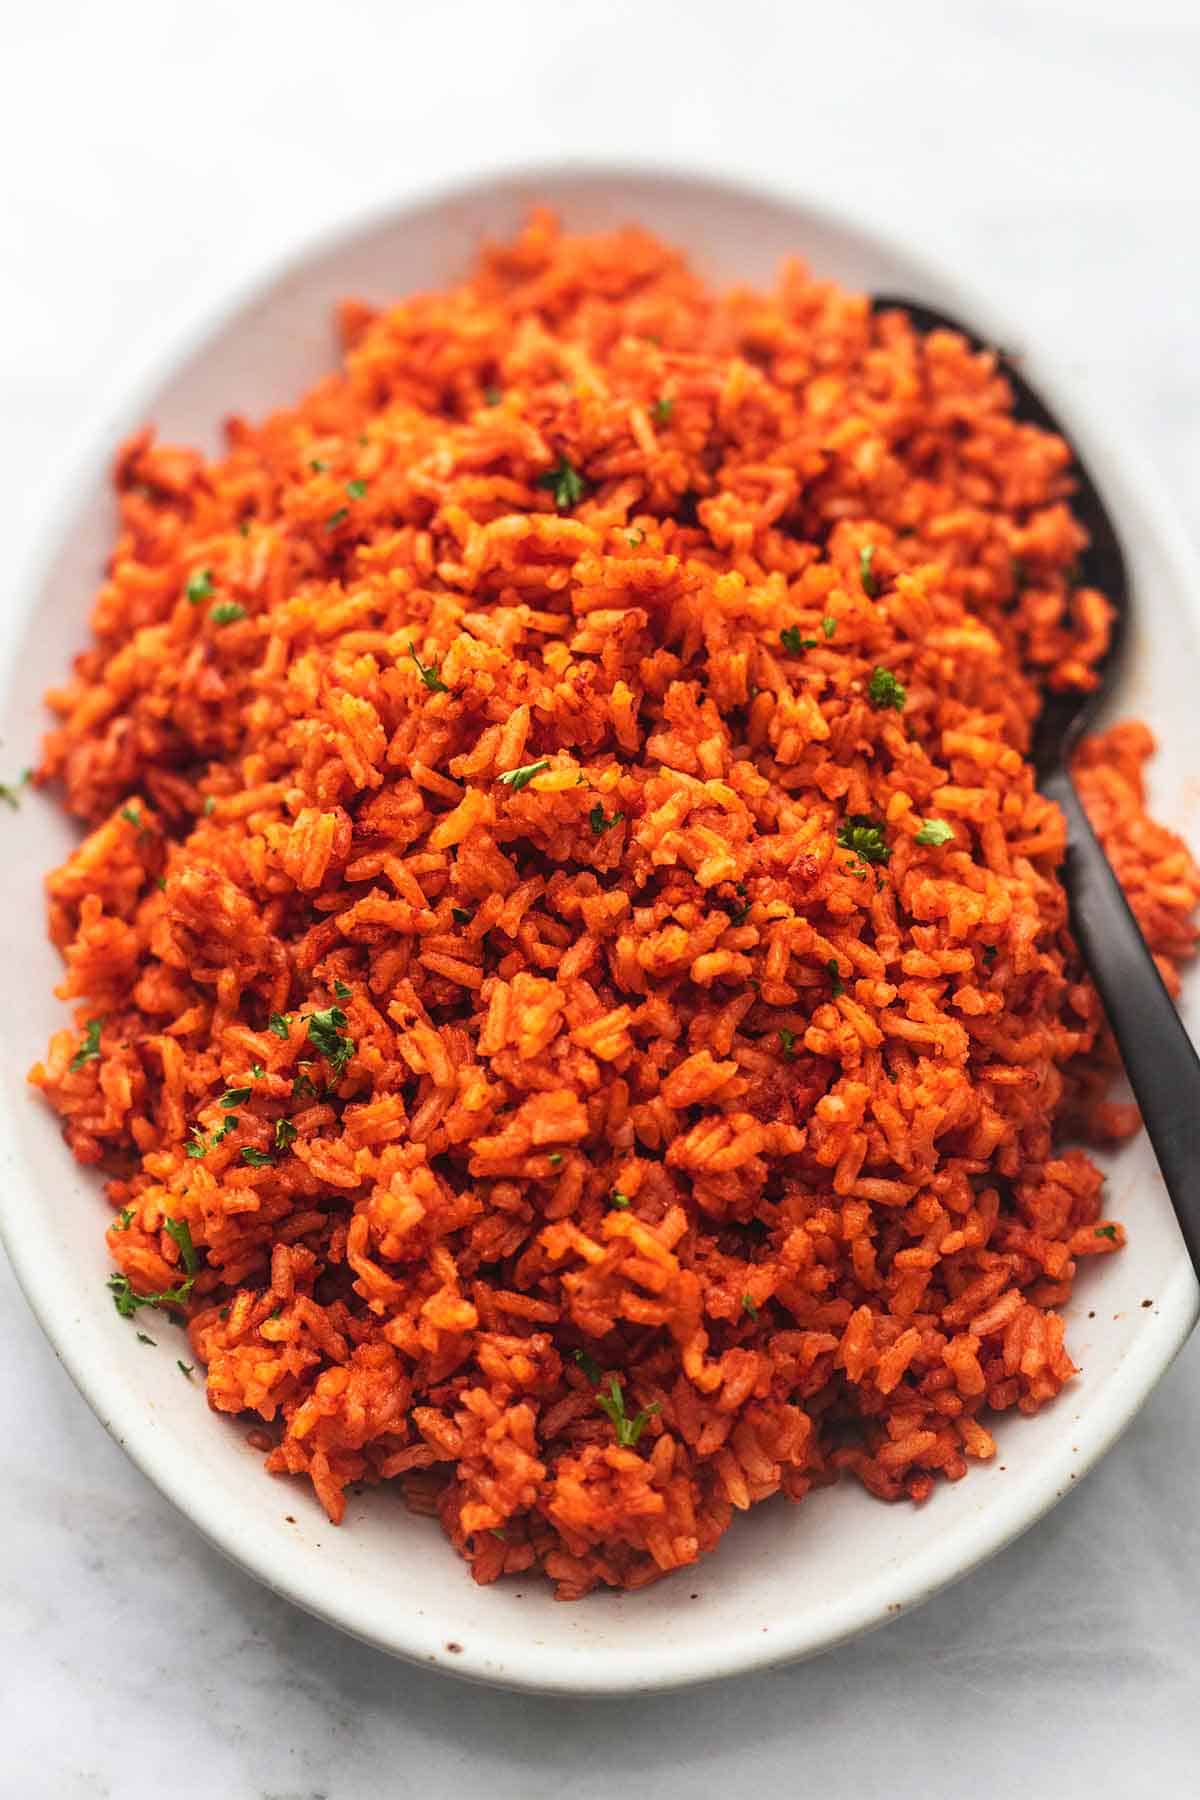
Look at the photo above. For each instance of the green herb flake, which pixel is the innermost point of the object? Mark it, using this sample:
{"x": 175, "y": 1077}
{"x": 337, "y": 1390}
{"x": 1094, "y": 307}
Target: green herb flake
{"x": 186, "y": 1369}
{"x": 555, "y": 1159}
{"x": 628, "y": 1430}
{"x": 519, "y": 778}
{"x": 132, "y": 816}
{"x": 430, "y": 673}
{"x": 257, "y": 1071}
{"x": 258, "y": 1159}
{"x": 181, "y": 1233}
{"x": 89, "y": 1050}
{"x": 792, "y": 641}
{"x": 619, "y": 1200}
{"x": 749, "y": 1308}
{"x": 599, "y": 823}
{"x": 884, "y": 690}
{"x": 460, "y": 915}
{"x": 356, "y": 489}
{"x": 127, "y": 1301}
{"x": 566, "y": 484}
{"x": 635, "y": 537}
{"x": 787, "y": 1042}
{"x": 143, "y": 1339}
{"x": 342, "y": 991}
{"x": 589, "y": 1365}
{"x": 337, "y": 518}
{"x": 935, "y": 832}
{"x": 278, "y": 1023}
{"x": 210, "y": 806}
{"x": 864, "y": 836}
{"x": 124, "y": 1219}
{"x": 318, "y": 465}
{"x": 989, "y": 953}
{"x": 303, "y": 1088}
{"x": 200, "y": 586}
{"x": 160, "y": 882}
{"x": 839, "y": 986}
{"x": 828, "y": 626}
{"x": 285, "y": 1134}
{"x": 870, "y": 581}
{"x": 233, "y": 1097}
{"x": 325, "y": 1035}
{"x": 227, "y": 612}
{"x": 662, "y": 409}
{"x": 492, "y": 396}
{"x": 1107, "y": 1231}
{"x": 10, "y": 791}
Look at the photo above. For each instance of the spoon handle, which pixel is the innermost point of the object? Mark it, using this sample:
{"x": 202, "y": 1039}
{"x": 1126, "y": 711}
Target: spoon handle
{"x": 1159, "y": 1058}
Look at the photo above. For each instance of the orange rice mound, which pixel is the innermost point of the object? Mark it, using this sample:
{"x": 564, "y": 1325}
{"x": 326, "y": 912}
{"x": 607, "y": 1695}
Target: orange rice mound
{"x": 598, "y": 1149}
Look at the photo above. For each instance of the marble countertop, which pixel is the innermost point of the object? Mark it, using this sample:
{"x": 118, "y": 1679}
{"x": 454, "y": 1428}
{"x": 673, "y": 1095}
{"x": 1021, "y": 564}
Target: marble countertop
{"x": 155, "y": 154}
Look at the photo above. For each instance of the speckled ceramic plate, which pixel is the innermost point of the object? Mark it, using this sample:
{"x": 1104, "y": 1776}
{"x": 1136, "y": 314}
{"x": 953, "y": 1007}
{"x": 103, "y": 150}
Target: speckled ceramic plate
{"x": 786, "y": 1581}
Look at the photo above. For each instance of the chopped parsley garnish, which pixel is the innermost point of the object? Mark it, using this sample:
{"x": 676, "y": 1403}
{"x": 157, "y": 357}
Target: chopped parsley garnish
{"x": 839, "y": 986}
{"x": 635, "y": 537}
{"x": 342, "y": 991}
{"x": 304, "y": 1088}
{"x": 589, "y": 1365}
{"x": 187, "y": 1369}
{"x": 792, "y": 641}
{"x": 599, "y": 823}
{"x": 566, "y": 484}
{"x": 934, "y": 831}
{"x": 787, "y": 1042}
{"x": 356, "y": 489}
{"x": 127, "y": 1301}
{"x": 325, "y": 1035}
{"x": 864, "y": 835}
{"x": 285, "y": 1134}
{"x": 257, "y": 1071}
{"x": 200, "y": 586}
{"x": 519, "y": 778}
{"x": 258, "y": 1159}
{"x": 227, "y": 612}
{"x": 492, "y": 396}
{"x": 749, "y": 1308}
{"x": 662, "y": 409}
{"x": 337, "y": 518}
{"x": 989, "y": 952}
{"x": 10, "y": 790}
{"x": 628, "y": 1430}
{"x": 828, "y": 626}
{"x": 132, "y": 816}
{"x": 430, "y": 673}
{"x": 160, "y": 882}
{"x": 738, "y": 914}
{"x": 884, "y": 690}
{"x": 278, "y": 1023}
{"x": 1107, "y": 1231}
{"x": 181, "y": 1232}
{"x": 866, "y": 574}
{"x": 200, "y": 1146}
{"x": 89, "y": 1050}
{"x": 209, "y": 806}
{"x": 555, "y": 1159}
{"x": 143, "y": 1339}
{"x": 124, "y": 1219}
{"x": 233, "y": 1097}
{"x": 619, "y": 1200}
{"x": 317, "y": 464}
{"x": 460, "y": 915}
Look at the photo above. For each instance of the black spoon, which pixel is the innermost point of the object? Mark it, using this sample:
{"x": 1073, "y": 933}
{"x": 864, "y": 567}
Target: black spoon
{"x": 1160, "y": 1061}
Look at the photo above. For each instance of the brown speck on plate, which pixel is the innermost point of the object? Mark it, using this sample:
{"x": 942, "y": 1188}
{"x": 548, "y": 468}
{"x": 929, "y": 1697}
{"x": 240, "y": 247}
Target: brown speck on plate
{"x": 454, "y": 1649}
{"x": 289, "y": 1518}
{"x": 1147, "y": 1303}
{"x": 1091, "y": 1315}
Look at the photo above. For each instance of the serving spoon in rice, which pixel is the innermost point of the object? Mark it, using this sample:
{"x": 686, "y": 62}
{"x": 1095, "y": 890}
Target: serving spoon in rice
{"x": 1160, "y": 1061}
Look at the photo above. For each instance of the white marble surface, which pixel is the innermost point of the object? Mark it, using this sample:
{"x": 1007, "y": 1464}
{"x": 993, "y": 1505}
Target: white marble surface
{"x": 151, "y": 152}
